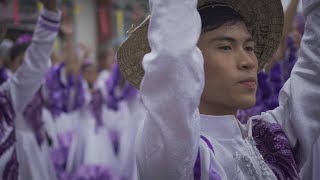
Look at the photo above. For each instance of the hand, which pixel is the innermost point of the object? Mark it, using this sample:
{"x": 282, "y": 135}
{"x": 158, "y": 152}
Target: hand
{"x": 87, "y": 51}
{"x": 49, "y": 4}
{"x": 66, "y": 23}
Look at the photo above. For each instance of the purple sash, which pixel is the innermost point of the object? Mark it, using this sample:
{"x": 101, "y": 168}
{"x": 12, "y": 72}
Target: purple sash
{"x": 59, "y": 95}
{"x": 10, "y": 171}
{"x": 213, "y": 175}
{"x": 33, "y": 116}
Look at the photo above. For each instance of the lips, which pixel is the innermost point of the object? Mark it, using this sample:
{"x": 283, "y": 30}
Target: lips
{"x": 249, "y": 83}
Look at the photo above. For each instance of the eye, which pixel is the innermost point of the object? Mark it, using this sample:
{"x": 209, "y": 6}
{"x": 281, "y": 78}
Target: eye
{"x": 225, "y": 48}
{"x": 249, "y": 48}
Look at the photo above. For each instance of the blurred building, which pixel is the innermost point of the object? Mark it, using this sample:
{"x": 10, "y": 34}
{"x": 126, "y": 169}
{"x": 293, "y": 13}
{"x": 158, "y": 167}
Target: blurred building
{"x": 97, "y": 23}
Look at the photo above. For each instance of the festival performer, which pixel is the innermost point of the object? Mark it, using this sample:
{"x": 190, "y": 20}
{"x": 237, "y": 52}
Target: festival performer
{"x": 196, "y": 64}
{"x": 19, "y": 89}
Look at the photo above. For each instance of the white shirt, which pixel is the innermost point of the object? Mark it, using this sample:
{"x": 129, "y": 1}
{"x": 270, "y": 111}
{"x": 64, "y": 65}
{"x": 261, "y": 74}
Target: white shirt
{"x": 22, "y": 85}
{"x": 169, "y": 140}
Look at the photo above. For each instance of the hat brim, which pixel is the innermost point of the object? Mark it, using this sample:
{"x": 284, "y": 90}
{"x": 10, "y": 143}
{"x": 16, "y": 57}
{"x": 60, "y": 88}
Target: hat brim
{"x": 265, "y": 17}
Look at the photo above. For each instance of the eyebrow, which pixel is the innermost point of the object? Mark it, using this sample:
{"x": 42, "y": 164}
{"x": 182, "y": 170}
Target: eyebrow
{"x": 230, "y": 39}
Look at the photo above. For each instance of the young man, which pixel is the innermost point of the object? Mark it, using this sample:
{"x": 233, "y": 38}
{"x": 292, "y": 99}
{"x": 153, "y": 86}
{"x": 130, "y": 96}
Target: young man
{"x": 19, "y": 89}
{"x": 213, "y": 69}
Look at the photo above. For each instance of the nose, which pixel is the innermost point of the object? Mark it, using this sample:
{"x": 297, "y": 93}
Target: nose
{"x": 246, "y": 61}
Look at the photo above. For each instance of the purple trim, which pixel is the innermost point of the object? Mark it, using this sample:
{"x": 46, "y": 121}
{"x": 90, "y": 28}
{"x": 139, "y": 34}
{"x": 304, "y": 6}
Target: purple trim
{"x": 48, "y": 27}
{"x": 7, "y": 116}
{"x": 213, "y": 175}
{"x": 59, "y": 155}
{"x": 33, "y": 116}
{"x": 11, "y": 169}
{"x": 96, "y": 107}
{"x": 208, "y": 143}
{"x": 197, "y": 167}
{"x": 274, "y": 146}
{"x": 9, "y": 142}
{"x": 127, "y": 92}
{"x": 49, "y": 20}
{"x": 3, "y": 75}
{"x": 59, "y": 98}
{"x": 114, "y": 136}
{"x": 90, "y": 172}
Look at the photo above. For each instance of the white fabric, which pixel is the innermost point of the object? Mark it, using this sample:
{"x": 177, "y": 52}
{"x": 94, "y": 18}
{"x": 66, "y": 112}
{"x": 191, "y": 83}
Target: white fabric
{"x": 21, "y": 87}
{"x": 171, "y": 88}
{"x": 128, "y": 169}
{"x": 90, "y": 145}
{"x": 101, "y": 82}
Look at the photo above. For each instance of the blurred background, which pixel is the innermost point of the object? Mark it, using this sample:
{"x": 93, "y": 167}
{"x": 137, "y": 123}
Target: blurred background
{"x": 97, "y": 23}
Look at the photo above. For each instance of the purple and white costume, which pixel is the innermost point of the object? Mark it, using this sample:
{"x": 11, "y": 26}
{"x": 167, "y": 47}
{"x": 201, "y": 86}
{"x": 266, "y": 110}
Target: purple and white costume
{"x": 18, "y": 90}
{"x": 273, "y": 145}
{"x": 91, "y": 149}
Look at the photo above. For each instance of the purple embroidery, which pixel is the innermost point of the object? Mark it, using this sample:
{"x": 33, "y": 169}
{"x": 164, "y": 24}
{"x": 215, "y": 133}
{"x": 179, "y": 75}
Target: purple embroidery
{"x": 274, "y": 146}
{"x": 213, "y": 175}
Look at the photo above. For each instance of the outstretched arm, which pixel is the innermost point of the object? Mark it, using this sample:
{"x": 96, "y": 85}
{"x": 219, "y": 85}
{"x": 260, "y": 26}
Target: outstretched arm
{"x": 299, "y": 109}
{"x": 27, "y": 80}
{"x": 171, "y": 88}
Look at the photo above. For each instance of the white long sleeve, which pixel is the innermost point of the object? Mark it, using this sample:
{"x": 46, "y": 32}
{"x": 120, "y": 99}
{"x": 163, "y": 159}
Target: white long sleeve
{"x": 299, "y": 110}
{"x": 20, "y": 88}
{"x": 29, "y": 77}
{"x": 170, "y": 90}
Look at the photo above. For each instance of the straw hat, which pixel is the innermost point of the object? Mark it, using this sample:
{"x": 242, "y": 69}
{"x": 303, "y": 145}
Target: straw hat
{"x": 265, "y": 17}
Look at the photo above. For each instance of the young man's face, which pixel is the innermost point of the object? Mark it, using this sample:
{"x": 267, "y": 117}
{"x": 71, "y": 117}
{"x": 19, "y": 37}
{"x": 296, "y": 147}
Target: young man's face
{"x": 231, "y": 68}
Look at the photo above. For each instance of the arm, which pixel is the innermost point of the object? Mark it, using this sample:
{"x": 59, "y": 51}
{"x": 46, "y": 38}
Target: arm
{"x": 24, "y": 84}
{"x": 299, "y": 110}
{"x": 171, "y": 89}
{"x": 70, "y": 57}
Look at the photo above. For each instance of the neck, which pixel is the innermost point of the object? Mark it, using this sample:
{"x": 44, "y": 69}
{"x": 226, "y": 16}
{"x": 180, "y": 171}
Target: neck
{"x": 215, "y": 109}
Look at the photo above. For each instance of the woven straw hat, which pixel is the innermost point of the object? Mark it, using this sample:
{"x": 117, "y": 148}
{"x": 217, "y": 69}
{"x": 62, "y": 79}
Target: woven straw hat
{"x": 265, "y": 17}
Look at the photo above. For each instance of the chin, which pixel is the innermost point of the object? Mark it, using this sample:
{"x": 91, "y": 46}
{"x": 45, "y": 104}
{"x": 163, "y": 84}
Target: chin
{"x": 247, "y": 103}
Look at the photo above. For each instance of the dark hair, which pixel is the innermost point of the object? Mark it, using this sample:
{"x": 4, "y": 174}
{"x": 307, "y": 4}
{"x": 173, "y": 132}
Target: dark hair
{"x": 17, "y": 50}
{"x": 215, "y": 16}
